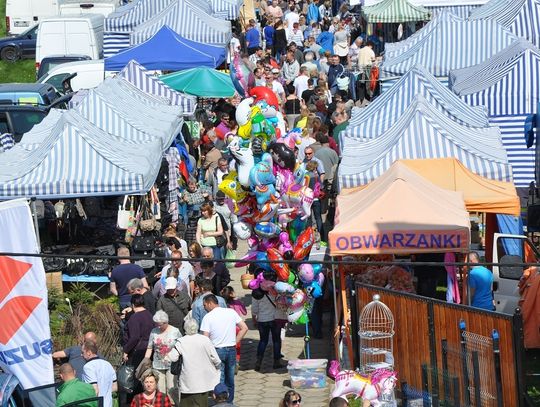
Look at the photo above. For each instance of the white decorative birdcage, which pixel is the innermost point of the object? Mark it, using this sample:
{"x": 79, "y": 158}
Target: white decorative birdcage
{"x": 376, "y": 335}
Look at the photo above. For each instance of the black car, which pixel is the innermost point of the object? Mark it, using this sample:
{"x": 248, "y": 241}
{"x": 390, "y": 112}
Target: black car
{"x": 19, "y": 119}
{"x": 19, "y": 46}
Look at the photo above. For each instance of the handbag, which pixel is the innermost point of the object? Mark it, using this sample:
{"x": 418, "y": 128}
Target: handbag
{"x": 125, "y": 377}
{"x": 143, "y": 243}
{"x": 125, "y": 215}
{"x": 148, "y": 222}
{"x": 220, "y": 240}
{"x": 176, "y": 367}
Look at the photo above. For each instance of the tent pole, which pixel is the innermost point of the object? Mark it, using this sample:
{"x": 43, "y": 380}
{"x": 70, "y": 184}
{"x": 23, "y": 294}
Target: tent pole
{"x": 34, "y": 216}
{"x": 336, "y": 316}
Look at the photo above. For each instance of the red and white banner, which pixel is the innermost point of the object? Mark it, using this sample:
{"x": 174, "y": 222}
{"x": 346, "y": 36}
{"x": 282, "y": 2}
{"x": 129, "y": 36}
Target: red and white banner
{"x": 25, "y": 336}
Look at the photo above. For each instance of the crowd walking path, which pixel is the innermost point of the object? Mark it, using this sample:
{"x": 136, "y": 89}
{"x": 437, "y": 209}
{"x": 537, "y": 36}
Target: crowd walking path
{"x": 267, "y": 387}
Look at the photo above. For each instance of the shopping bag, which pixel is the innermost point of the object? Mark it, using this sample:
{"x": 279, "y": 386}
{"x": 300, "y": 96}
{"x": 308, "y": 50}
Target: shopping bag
{"x": 126, "y": 378}
{"x": 125, "y": 214}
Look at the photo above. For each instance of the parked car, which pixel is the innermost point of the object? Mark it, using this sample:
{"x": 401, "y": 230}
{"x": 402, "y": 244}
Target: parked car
{"x": 70, "y": 35}
{"x": 23, "y": 14}
{"x": 19, "y": 46}
{"x": 19, "y": 119}
{"x": 23, "y": 105}
{"x": 51, "y": 62}
{"x": 38, "y": 94}
{"x": 89, "y": 74}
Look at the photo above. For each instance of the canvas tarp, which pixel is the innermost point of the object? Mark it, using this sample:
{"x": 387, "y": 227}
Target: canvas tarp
{"x": 143, "y": 79}
{"x": 168, "y": 51}
{"x": 422, "y": 132}
{"x": 186, "y": 18}
{"x": 385, "y": 109}
{"x": 400, "y": 212}
{"x": 395, "y": 11}
{"x": 451, "y": 44}
{"x": 78, "y": 159}
{"x": 522, "y": 17}
{"x": 480, "y": 194}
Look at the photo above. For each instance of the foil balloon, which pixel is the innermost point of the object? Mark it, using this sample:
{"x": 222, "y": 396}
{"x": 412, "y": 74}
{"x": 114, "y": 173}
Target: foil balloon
{"x": 304, "y": 319}
{"x": 262, "y": 261}
{"x": 284, "y": 288}
{"x": 305, "y": 273}
{"x": 239, "y": 74}
{"x": 242, "y": 230}
{"x": 293, "y": 279}
{"x": 313, "y": 289}
{"x": 285, "y": 245}
{"x": 251, "y": 255}
{"x": 296, "y": 226}
{"x": 232, "y": 188}
{"x": 243, "y": 111}
{"x": 267, "y": 229}
{"x": 303, "y": 244}
{"x": 283, "y": 155}
{"x": 294, "y": 315}
{"x": 244, "y": 161}
{"x": 264, "y": 93}
{"x": 281, "y": 269}
{"x": 297, "y": 299}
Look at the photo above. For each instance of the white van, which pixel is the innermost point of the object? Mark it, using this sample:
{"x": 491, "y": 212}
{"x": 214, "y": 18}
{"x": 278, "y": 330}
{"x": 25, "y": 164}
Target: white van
{"x": 23, "y": 14}
{"x": 89, "y": 74}
{"x": 81, "y": 7}
{"x": 68, "y": 35}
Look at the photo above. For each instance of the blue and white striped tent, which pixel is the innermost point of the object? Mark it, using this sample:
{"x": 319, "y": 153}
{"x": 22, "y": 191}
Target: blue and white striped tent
{"x": 227, "y": 9}
{"x": 121, "y": 115}
{"x": 118, "y": 25}
{"x": 452, "y": 44}
{"x": 379, "y": 115}
{"x": 139, "y": 76}
{"x": 78, "y": 159}
{"x": 509, "y": 86}
{"x": 522, "y": 17}
{"x": 461, "y": 8}
{"x": 190, "y": 21}
{"x": 423, "y": 132}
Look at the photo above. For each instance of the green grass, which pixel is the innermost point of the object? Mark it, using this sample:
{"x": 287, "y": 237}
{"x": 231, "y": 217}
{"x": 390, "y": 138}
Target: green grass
{"x": 20, "y": 71}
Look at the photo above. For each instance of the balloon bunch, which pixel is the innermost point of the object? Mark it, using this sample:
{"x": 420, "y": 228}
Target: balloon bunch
{"x": 272, "y": 199}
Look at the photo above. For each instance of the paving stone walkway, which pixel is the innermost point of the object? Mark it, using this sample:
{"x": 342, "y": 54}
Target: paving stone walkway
{"x": 267, "y": 387}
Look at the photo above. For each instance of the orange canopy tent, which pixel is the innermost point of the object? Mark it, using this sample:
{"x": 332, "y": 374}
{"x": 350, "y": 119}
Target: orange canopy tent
{"x": 480, "y": 194}
{"x": 400, "y": 212}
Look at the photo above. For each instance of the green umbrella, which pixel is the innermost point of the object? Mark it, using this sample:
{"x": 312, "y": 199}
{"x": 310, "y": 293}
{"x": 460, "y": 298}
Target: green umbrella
{"x": 202, "y": 82}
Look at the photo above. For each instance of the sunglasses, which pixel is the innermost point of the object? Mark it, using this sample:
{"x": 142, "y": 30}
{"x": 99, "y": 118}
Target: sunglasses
{"x": 297, "y": 401}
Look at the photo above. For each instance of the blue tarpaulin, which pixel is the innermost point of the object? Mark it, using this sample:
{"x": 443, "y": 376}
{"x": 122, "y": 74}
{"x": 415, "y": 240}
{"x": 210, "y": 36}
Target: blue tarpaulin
{"x": 167, "y": 50}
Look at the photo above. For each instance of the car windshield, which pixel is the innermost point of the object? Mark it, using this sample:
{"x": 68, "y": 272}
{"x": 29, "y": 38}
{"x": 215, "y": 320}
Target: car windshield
{"x": 23, "y": 121}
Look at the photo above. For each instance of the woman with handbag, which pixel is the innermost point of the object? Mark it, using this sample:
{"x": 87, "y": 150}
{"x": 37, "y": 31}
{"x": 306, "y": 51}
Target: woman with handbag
{"x": 151, "y": 396}
{"x": 136, "y": 333}
{"x": 200, "y": 369}
{"x": 162, "y": 340}
{"x": 210, "y": 230}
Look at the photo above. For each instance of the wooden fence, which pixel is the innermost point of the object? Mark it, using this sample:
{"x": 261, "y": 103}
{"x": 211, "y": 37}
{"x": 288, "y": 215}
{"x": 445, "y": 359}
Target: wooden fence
{"x": 432, "y": 333}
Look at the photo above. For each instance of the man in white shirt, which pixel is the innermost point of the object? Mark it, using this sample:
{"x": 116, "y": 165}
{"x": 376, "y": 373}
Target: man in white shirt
{"x": 273, "y": 83}
{"x": 301, "y": 81}
{"x": 99, "y": 373}
{"x": 220, "y": 326}
{"x": 292, "y": 16}
{"x": 186, "y": 274}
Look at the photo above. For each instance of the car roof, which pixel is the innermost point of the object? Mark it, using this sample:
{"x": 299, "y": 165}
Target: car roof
{"x": 24, "y": 107}
{"x": 70, "y": 56}
{"x": 25, "y": 87}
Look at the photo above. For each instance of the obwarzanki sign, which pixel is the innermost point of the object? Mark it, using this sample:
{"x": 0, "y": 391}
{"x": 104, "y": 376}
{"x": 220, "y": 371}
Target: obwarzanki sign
{"x": 400, "y": 242}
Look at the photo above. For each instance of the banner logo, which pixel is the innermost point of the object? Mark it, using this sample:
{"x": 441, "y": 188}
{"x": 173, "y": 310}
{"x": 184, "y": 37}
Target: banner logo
{"x": 15, "y": 311}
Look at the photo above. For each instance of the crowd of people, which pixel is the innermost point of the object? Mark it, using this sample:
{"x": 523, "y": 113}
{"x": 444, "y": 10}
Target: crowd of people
{"x": 185, "y": 312}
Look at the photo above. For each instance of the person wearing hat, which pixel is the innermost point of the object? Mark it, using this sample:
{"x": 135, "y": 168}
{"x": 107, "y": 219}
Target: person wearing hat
{"x": 221, "y": 394}
{"x": 253, "y": 37}
{"x": 175, "y": 303}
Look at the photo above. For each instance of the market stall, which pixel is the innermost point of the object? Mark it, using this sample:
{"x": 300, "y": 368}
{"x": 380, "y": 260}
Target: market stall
{"x": 400, "y": 212}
